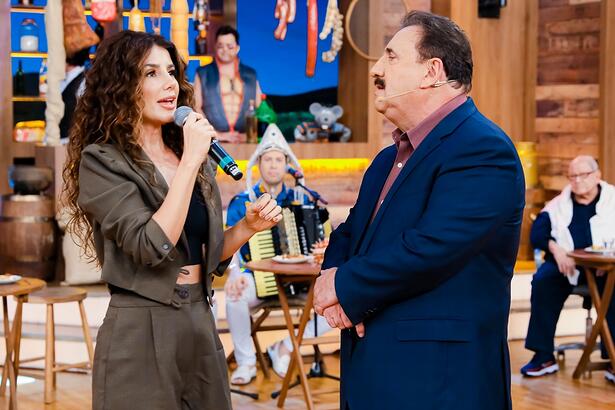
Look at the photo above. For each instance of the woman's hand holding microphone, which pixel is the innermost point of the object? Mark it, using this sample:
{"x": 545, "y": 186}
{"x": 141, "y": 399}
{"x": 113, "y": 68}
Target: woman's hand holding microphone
{"x": 198, "y": 134}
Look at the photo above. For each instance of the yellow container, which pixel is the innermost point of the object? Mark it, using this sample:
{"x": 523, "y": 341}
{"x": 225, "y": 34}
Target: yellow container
{"x": 529, "y": 161}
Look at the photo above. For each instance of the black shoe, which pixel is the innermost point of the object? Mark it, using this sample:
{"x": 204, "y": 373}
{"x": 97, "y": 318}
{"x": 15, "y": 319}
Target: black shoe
{"x": 540, "y": 365}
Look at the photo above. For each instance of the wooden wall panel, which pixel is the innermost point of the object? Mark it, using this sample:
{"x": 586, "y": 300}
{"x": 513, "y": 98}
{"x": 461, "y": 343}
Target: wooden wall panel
{"x": 607, "y": 91}
{"x": 501, "y": 60}
{"x": 567, "y": 93}
{"x": 354, "y": 72}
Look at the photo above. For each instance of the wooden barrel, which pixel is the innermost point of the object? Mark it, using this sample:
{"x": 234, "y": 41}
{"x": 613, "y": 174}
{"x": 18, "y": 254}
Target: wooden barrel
{"x": 28, "y": 235}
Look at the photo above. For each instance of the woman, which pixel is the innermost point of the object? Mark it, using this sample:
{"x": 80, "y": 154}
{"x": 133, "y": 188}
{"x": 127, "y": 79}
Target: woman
{"x": 143, "y": 195}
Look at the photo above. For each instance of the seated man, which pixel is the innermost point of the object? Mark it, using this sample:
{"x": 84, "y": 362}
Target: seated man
{"x": 582, "y": 215}
{"x": 273, "y": 155}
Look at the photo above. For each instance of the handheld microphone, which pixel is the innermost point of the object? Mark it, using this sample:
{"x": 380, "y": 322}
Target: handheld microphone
{"x": 216, "y": 152}
{"x": 295, "y": 173}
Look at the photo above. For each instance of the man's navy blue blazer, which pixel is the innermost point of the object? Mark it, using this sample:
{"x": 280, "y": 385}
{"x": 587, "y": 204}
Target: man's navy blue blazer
{"x": 430, "y": 276}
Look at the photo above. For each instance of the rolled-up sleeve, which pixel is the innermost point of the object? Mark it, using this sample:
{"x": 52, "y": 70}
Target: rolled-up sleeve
{"x": 114, "y": 202}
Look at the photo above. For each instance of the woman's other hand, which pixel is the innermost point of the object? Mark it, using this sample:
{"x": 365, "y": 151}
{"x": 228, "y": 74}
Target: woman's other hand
{"x": 263, "y": 214}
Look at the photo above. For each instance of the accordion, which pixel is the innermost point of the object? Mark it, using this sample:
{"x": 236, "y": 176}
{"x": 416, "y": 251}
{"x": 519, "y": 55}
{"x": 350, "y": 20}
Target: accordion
{"x": 300, "y": 227}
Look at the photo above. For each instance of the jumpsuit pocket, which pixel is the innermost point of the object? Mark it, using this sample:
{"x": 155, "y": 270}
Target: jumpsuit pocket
{"x": 213, "y": 375}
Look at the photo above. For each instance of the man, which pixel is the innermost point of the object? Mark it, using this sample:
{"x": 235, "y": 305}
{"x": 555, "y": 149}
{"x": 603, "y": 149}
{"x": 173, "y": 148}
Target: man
{"x": 72, "y": 87}
{"x": 422, "y": 265}
{"x": 272, "y": 155}
{"x": 223, "y": 89}
{"x": 582, "y": 215}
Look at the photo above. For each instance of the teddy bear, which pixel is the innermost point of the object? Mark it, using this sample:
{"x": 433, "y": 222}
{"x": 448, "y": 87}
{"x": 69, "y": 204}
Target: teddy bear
{"x": 325, "y": 127}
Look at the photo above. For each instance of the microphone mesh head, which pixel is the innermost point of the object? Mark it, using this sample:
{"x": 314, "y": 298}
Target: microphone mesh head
{"x": 180, "y": 115}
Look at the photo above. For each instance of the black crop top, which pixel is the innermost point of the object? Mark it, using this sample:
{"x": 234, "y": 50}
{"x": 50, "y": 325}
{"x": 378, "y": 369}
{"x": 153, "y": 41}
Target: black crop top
{"x": 196, "y": 227}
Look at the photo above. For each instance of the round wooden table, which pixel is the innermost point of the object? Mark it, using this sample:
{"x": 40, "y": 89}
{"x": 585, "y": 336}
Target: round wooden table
{"x": 20, "y": 290}
{"x": 594, "y": 262}
{"x": 292, "y": 273}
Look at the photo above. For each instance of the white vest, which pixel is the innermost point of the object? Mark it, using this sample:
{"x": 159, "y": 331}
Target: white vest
{"x": 602, "y": 224}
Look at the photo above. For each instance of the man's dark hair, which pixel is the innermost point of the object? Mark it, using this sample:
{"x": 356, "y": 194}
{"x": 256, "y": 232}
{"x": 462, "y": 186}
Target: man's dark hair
{"x": 223, "y": 30}
{"x": 443, "y": 39}
{"x": 79, "y": 58}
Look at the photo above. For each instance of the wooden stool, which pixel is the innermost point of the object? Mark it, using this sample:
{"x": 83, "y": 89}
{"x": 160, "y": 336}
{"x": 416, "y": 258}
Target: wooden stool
{"x": 258, "y": 324}
{"x": 49, "y": 296}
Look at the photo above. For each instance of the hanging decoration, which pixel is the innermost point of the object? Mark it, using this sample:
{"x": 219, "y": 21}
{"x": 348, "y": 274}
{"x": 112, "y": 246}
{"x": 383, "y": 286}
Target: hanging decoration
{"x": 333, "y": 23}
{"x": 155, "y": 14}
{"x": 285, "y": 11}
{"x": 312, "y": 38}
{"x": 135, "y": 18}
{"x": 200, "y": 17}
{"x": 77, "y": 32}
{"x": 55, "y": 28}
{"x": 104, "y": 10}
{"x": 179, "y": 27}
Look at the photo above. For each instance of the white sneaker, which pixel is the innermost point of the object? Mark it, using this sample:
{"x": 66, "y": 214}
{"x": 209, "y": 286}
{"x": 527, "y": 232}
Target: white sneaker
{"x": 243, "y": 375}
{"x": 279, "y": 363}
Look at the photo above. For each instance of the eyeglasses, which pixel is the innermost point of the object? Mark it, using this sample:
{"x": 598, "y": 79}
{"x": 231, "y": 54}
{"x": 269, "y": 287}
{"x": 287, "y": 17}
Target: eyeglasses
{"x": 581, "y": 176}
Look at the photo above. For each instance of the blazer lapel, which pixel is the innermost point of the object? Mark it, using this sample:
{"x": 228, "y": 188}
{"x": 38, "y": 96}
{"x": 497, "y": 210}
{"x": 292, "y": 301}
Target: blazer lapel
{"x": 431, "y": 142}
{"x": 371, "y": 195}
{"x": 159, "y": 190}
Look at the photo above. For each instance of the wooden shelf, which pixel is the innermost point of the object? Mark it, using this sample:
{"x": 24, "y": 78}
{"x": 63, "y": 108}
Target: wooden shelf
{"x": 34, "y": 54}
{"x": 164, "y": 14}
{"x": 309, "y": 150}
{"x": 29, "y": 54}
{"x": 28, "y": 9}
{"x": 28, "y": 98}
{"x": 204, "y": 60}
{"x": 41, "y": 10}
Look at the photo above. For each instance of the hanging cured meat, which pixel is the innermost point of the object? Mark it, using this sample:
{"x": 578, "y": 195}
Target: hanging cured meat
{"x": 312, "y": 38}
{"x": 285, "y": 11}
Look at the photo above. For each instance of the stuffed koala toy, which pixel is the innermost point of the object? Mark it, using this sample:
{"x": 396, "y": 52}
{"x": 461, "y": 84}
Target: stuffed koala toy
{"x": 324, "y": 127}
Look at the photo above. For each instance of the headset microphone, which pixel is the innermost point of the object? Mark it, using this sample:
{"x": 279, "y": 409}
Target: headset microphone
{"x": 434, "y": 85}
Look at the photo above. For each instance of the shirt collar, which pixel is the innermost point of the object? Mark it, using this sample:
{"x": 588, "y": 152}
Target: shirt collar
{"x": 282, "y": 196}
{"x": 70, "y": 76}
{"x": 420, "y": 132}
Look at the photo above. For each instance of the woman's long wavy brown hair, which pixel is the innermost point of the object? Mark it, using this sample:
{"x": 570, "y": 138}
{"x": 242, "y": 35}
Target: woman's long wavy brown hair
{"x": 110, "y": 112}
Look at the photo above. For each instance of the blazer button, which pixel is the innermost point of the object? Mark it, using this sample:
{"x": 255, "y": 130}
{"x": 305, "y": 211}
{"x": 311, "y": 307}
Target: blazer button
{"x": 165, "y": 246}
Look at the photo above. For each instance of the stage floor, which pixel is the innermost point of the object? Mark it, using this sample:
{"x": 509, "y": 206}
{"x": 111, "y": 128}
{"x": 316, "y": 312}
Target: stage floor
{"x": 558, "y": 391}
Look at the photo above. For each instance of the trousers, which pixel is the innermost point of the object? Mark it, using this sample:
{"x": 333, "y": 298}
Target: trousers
{"x": 153, "y": 356}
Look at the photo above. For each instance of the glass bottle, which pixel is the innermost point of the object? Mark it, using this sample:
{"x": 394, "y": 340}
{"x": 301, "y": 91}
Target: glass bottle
{"x": 201, "y": 43}
{"x": 20, "y": 81}
{"x": 251, "y": 124}
{"x": 265, "y": 115}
